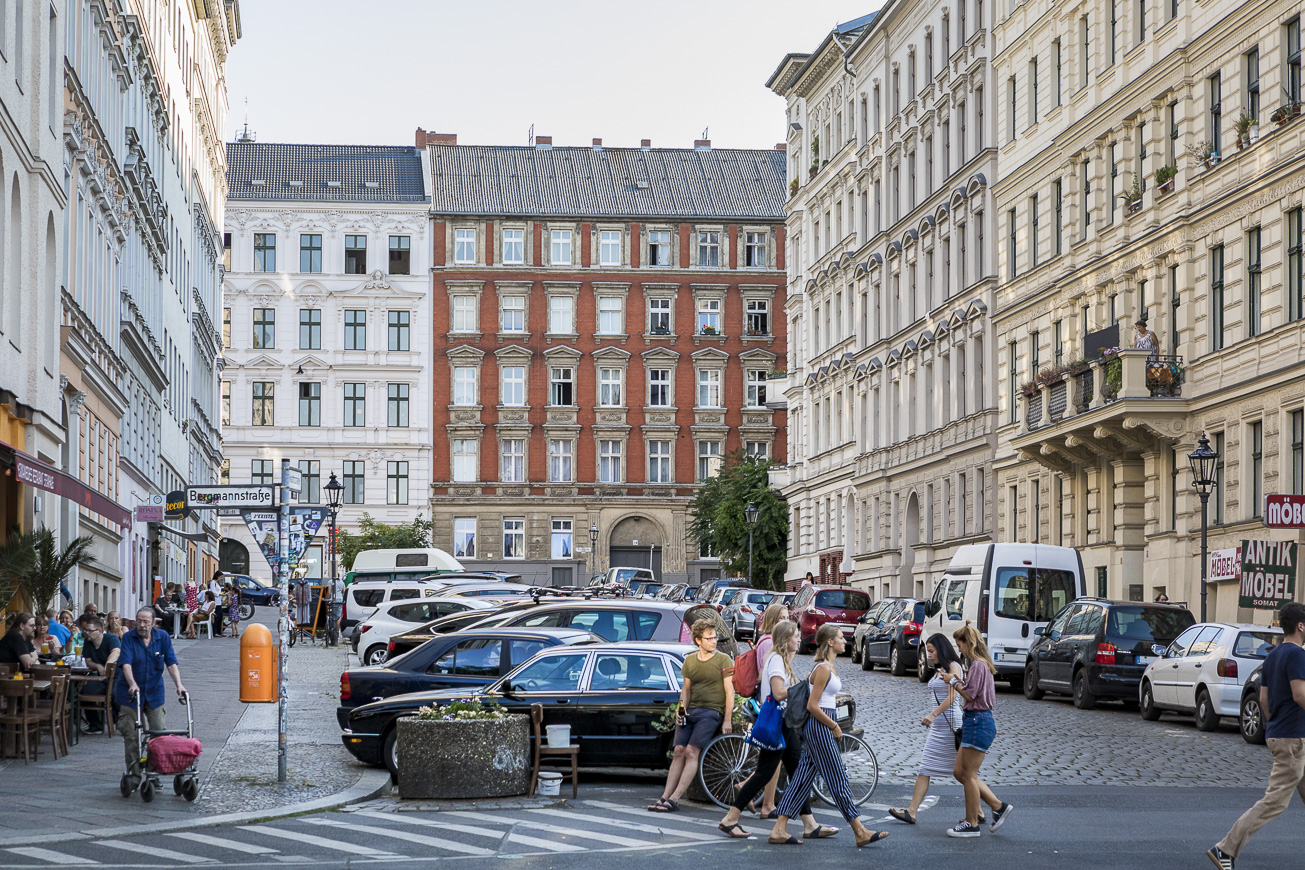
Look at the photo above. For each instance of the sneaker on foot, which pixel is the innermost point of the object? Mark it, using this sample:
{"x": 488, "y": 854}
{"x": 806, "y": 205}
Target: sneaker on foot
{"x": 963, "y": 829}
{"x": 999, "y": 816}
{"x": 1221, "y": 859}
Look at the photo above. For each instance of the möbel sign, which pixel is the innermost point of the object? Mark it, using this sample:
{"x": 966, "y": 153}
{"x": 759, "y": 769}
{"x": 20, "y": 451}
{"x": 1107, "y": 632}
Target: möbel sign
{"x": 1285, "y": 512}
{"x": 1268, "y": 573}
{"x": 207, "y": 497}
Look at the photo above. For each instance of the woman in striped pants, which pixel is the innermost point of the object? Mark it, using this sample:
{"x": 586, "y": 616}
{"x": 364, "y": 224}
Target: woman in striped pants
{"x": 820, "y": 753}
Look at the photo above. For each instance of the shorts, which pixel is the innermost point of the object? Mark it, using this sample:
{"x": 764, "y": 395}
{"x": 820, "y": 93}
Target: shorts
{"x": 978, "y": 730}
{"x": 701, "y": 727}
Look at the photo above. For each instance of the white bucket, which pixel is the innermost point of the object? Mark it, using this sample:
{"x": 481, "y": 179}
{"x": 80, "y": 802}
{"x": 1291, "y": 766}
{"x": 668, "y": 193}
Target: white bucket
{"x": 559, "y": 736}
{"x": 550, "y": 784}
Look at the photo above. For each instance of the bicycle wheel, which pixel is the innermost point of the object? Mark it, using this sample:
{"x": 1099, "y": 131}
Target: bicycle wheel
{"x": 724, "y": 765}
{"x": 862, "y": 772}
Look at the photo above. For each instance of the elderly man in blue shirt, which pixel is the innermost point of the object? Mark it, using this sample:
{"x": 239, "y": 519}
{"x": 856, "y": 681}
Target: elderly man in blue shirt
{"x": 146, "y": 653}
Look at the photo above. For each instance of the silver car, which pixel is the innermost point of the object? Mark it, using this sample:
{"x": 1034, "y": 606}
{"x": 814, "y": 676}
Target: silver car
{"x": 743, "y": 611}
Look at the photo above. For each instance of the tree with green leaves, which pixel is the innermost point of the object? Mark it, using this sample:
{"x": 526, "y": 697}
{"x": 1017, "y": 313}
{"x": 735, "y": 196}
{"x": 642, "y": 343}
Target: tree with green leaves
{"x": 17, "y": 555}
{"x": 717, "y": 520}
{"x": 36, "y": 562}
{"x": 376, "y": 535}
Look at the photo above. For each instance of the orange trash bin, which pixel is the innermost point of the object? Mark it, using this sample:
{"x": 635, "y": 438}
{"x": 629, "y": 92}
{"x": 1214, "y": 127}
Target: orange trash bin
{"x": 258, "y": 666}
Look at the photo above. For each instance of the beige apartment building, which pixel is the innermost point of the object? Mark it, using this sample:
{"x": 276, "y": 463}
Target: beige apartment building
{"x": 1132, "y": 187}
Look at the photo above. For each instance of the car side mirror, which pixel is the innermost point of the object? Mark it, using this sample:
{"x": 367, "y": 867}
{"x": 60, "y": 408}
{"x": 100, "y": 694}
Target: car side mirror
{"x": 931, "y": 608}
{"x": 1040, "y": 630}
{"x": 1054, "y": 635}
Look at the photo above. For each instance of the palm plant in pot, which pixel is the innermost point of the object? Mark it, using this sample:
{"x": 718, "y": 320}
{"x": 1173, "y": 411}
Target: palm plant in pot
{"x": 35, "y": 560}
{"x": 1164, "y": 178}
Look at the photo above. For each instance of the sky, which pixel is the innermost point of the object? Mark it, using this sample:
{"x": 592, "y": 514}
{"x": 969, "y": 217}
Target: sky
{"x": 350, "y": 72}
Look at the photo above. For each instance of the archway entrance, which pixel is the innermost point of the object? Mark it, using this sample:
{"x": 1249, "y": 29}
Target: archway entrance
{"x": 910, "y": 537}
{"x": 636, "y": 542}
{"x": 233, "y": 557}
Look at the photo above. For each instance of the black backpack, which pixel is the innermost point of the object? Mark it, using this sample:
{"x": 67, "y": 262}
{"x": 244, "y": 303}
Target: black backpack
{"x": 795, "y": 706}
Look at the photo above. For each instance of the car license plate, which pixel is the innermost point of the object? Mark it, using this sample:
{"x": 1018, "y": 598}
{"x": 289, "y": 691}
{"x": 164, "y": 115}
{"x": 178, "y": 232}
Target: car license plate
{"x": 843, "y": 711}
{"x": 1145, "y": 660}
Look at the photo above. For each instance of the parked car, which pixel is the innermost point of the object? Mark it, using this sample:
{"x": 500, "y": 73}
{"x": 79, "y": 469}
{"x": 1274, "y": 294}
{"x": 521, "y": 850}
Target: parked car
{"x": 1006, "y": 591}
{"x": 497, "y": 589}
{"x": 721, "y": 598}
{"x": 1097, "y": 648}
{"x": 1203, "y": 670}
{"x": 411, "y": 639}
{"x": 253, "y": 592}
{"x": 894, "y": 637}
{"x": 364, "y": 596}
{"x": 393, "y": 617}
{"x": 460, "y": 660}
{"x": 611, "y": 695}
{"x": 816, "y": 605}
{"x": 744, "y": 610}
{"x": 1251, "y": 718}
{"x": 866, "y": 624}
{"x": 615, "y": 621}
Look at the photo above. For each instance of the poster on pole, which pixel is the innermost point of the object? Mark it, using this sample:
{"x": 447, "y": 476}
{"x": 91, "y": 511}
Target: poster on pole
{"x": 1268, "y": 574}
{"x": 304, "y": 524}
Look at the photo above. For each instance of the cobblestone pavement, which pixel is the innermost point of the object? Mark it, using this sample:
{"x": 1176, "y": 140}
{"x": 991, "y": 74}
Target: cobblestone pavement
{"x": 1050, "y": 742}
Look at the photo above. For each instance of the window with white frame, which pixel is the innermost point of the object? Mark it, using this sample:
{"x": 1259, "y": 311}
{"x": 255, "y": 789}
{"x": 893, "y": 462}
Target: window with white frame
{"x": 513, "y": 314}
{"x": 514, "y": 247}
{"x": 561, "y": 315}
{"x": 759, "y": 450}
{"x": 464, "y": 246}
{"x": 400, "y": 255}
{"x": 561, "y": 381}
{"x": 399, "y": 330}
{"x": 561, "y": 248}
{"x": 659, "y": 316}
{"x": 609, "y": 461}
{"x": 514, "y": 537}
{"x": 561, "y": 460}
{"x": 709, "y": 249}
{"x": 355, "y": 329}
{"x": 397, "y": 405}
{"x": 708, "y": 459}
{"x": 464, "y": 460}
{"x": 659, "y": 387}
{"x": 754, "y": 250}
{"x": 464, "y": 385}
{"x": 609, "y": 248}
{"x": 464, "y": 537}
{"x": 514, "y": 386}
{"x": 514, "y": 461}
{"x": 758, "y": 315}
{"x": 396, "y": 483}
{"x": 260, "y": 472}
{"x": 464, "y": 314}
{"x": 659, "y": 248}
{"x": 562, "y": 538}
{"x": 709, "y": 388}
{"x": 611, "y": 320}
{"x": 709, "y": 316}
{"x": 355, "y": 481}
{"x": 355, "y": 405}
{"x": 659, "y": 462}
{"x": 609, "y": 386}
{"x": 756, "y": 388}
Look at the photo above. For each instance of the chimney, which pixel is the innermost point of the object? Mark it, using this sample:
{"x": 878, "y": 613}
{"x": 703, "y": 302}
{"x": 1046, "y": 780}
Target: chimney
{"x": 441, "y": 138}
{"x": 701, "y": 144}
{"x": 421, "y": 138}
{"x": 781, "y": 146}
{"x": 645, "y": 144}
{"x": 598, "y": 144}
{"x": 544, "y": 143}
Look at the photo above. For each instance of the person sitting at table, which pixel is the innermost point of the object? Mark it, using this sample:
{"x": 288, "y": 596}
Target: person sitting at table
{"x": 100, "y": 651}
{"x": 16, "y": 646}
{"x": 163, "y": 609}
{"x": 56, "y": 629}
{"x": 91, "y": 610}
{"x": 208, "y": 611}
{"x": 113, "y": 624}
{"x": 44, "y": 642}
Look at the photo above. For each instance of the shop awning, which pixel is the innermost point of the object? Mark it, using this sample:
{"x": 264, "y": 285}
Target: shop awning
{"x": 33, "y": 472}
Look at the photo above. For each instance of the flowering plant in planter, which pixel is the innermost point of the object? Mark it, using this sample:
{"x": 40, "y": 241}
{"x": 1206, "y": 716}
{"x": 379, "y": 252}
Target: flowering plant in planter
{"x": 1204, "y": 152}
{"x": 466, "y": 708}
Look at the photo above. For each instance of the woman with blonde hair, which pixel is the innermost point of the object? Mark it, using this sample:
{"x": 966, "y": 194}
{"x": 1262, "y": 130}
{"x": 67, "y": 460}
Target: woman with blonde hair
{"x": 820, "y": 753}
{"x": 771, "y": 617}
{"x": 978, "y": 729}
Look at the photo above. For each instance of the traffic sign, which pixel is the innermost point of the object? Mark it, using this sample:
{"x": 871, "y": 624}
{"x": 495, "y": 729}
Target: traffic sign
{"x": 292, "y": 479}
{"x": 209, "y": 497}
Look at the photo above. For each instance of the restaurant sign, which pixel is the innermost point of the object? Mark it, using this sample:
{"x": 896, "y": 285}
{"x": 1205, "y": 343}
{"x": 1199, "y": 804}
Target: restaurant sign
{"x": 1268, "y": 574}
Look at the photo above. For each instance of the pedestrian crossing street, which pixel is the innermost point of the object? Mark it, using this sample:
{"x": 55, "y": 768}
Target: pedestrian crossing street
{"x": 368, "y": 835}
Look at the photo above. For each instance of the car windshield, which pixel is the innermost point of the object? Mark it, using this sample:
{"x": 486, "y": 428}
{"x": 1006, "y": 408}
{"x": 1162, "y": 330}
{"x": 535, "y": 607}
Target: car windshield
{"x": 559, "y": 673}
{"x": 758, "y": 598}
{"x": 1255, "y": 644}
{"x": 1138, "y": 623}
{"x": 842, "y": 599}
{"x": 1032, "y": 594}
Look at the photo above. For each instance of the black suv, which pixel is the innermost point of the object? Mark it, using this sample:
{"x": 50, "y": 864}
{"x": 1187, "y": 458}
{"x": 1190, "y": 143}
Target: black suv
{"x": 1097, "y": 648}
{"x": 892, "y": 635}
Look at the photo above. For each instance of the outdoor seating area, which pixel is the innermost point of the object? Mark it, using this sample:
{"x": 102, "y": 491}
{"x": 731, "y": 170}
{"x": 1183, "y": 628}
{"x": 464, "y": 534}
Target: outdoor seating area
{"x": 48, "y": 701}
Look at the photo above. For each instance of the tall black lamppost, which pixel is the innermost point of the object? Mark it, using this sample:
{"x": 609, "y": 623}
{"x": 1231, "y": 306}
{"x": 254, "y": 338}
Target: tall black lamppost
{"x": 1203, "y": 461}
{"x": 593, "y": 549}
{"x": 334, "y": 494}
{"x": 750, "y": 514}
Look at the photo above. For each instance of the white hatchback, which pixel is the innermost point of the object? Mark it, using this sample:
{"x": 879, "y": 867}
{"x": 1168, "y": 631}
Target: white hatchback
{"x": 1202, "y": 672}
{"x": 396, "y": 617}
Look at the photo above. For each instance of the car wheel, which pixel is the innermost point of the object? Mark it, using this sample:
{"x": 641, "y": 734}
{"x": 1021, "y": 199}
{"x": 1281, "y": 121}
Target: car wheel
{"x": 922, "y": 666}
{"x": 1207, "y": 718}
{"x": 1150, "y": 712}
{"x": 895, "y": 666}
{"x": 1031, "y": 690}
{"x": 1252, "y": 719}
{"x": 858, "y": 653}
{"x": 1083, "y": 697}
{"x": 375, "y": 655}
{"x": 390, "y": 752}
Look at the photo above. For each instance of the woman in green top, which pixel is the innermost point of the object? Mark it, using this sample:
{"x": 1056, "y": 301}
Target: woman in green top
{"x": 706, "y": 701}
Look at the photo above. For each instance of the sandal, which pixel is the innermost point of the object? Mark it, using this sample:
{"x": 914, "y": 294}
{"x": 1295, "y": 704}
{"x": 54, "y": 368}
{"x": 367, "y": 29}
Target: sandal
{"x": 820, "y": 833}
{"x": 770, "y": 816}
{"x": 873, "y": 838}
{"x": 902, "y": 815}
{"x": 791, "y": 841}
{"x": 656, "y": 806}
{"x": 730, "y": 831}
{"x": 664, "y": 805}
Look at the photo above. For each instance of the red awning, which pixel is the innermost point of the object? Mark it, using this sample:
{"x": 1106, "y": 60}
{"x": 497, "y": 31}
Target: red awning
{"x": 33, "y": 472}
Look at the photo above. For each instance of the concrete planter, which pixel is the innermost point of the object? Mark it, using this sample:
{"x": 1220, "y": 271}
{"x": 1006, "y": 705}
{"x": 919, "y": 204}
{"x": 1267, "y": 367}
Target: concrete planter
{"x": 467, "y": 758}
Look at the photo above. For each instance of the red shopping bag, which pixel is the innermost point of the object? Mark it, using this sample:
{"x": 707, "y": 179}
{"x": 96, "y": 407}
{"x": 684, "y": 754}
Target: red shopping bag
{"x": 173, "y": 753}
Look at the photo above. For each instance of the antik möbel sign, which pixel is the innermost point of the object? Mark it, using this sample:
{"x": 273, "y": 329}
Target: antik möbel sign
{"x": 1268, "y": 573}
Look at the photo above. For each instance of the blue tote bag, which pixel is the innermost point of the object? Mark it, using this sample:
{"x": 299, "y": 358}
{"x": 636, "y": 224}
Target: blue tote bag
{"x": 768, "y": 731}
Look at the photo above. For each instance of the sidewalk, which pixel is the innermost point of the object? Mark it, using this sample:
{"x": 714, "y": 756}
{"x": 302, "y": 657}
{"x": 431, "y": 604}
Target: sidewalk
{"x": 238, "y": 770}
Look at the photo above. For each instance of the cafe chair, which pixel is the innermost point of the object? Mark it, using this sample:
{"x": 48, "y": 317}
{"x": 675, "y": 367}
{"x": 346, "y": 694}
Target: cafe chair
{"x": 542, "y": 749}
{"x": 53, "y": 714}
{"x": 203, "y": 626}
{"x": 20, "y": 718}
{"x": 103, "y": 703}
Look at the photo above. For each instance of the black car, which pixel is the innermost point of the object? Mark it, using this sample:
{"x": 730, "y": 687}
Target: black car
{"x": 1251, "y": 719}
{"x": 1098, "y": 648}
{"x": 253, "y": 592}
{"x": 611, "y": 695}
{"x": 460, "y": 660}
{"x": 892, "y": 635}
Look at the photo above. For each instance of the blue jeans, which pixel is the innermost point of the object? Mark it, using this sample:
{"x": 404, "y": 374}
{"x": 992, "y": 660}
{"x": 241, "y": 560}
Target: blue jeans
{"x": 978, "y": 729}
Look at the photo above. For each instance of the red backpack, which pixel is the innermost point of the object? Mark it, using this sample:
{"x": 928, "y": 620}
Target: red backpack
{"x": 746, "y": 673}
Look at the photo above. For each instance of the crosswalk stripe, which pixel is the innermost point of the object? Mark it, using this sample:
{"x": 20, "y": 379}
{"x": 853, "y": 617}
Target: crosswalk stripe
{"x": 49, "y": 855}
{"x": 622, "y": 823}
{"x": 522, "y": 839}
{"x": 555, "y": 829}
{"x": 323, "y": 842}
{"x": 644, "y": 814}
{"x": 220, "y": 843}
{"x": 142, "y": 851}
{"x": 407, "y": 836}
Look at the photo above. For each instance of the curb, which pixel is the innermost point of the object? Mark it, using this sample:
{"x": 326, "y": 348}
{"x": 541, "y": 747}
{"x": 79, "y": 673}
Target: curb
{"x": 370, "y": 785}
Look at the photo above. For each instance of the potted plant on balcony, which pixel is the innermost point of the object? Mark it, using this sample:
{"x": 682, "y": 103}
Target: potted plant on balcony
{"x": 1132, "y": 195}
{"x": 465, "y": 749}
{"x": 1029, "y": 390}
{"x": 1204, "y": 153}
{"x": 1243, "y": 128}
{"x": 1285, "y": 112}
{"x": 793, "y": 187}
{"x": 1164, "y": 179}
{"x": 815, "y": 155}
{"x": 707, "y": 330}
{"x": 661, "y": 330}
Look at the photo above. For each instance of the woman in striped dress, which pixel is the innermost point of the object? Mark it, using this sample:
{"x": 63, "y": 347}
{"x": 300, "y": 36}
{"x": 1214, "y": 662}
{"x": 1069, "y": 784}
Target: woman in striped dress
{"x": 943, "y": 719}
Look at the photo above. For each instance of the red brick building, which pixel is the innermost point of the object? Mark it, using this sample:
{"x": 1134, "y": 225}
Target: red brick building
{"x": 604, "y": 324}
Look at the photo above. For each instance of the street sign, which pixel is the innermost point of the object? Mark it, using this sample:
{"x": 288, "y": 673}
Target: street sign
{"x": 1268, "y": 573}
{"x": 208, "y": 497}
{"x": 292, "y": 479}
{"x": 1285, "y": 512}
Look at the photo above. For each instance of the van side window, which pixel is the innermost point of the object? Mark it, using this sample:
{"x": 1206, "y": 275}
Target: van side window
{"x": 400, "y": 594}
{"x": 956, "y": 599}
{"x": 368, "y": 597}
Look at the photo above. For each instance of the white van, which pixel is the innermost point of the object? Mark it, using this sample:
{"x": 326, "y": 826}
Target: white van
{"x": 1006, "y": 590}
{"x": 400, "y": 564}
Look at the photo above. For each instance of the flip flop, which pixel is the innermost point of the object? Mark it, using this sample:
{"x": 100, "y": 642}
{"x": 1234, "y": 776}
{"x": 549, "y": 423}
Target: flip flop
{"x": 791, "y": 841}
{"x": 656, "y": 806}
{"x": 820, "y": 833}
{"x": 902, "y": 815}
{"x": 770, "y": 816}
{"x": 730, "y": 831}
{"x": 873, "y": 838}
{"x": 664, "y": 805}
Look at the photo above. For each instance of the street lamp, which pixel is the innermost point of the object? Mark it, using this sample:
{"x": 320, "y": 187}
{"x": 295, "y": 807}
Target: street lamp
{"x": 1202, "y": 461}
{"x": 334, "y": 494}
{"x": 750, "y": 515}
{"x": 593, "y": 548}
